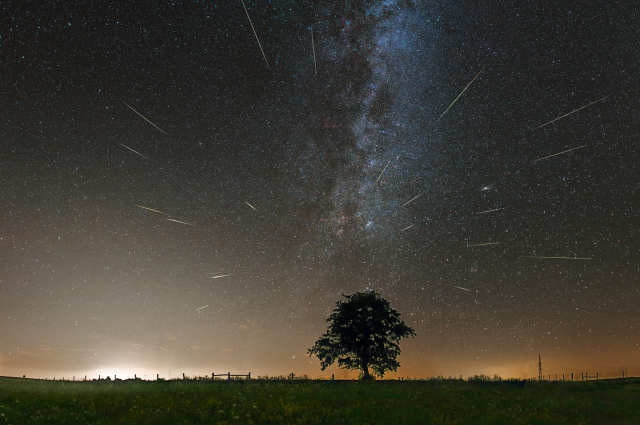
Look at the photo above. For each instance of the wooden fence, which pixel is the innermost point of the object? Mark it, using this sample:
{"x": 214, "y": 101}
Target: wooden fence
{"x": 584, "y": 376}
{"x": 228, "y": 375}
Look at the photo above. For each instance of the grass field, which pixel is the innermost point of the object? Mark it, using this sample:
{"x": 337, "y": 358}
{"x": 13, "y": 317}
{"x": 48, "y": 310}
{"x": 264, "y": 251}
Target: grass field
{"x": 436, "y": 401}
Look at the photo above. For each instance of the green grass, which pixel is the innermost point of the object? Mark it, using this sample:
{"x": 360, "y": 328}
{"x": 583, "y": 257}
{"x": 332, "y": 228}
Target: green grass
{"x": 436, "y": 401}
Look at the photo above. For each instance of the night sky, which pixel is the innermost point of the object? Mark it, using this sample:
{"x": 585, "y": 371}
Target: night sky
{"x": 288, "y": 180}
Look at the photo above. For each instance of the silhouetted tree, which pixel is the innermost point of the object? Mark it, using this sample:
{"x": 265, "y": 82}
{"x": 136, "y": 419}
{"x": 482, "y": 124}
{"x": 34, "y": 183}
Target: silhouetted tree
{"x": 364, "y": 332}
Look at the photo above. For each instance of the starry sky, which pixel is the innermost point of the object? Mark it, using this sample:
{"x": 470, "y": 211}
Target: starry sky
{"x": 181, "y": 194}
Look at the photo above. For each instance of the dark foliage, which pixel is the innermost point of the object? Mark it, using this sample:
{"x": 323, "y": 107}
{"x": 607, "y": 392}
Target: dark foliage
{"x": 364, "y": 333}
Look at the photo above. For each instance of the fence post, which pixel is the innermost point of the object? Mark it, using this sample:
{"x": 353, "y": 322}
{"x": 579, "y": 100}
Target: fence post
{"x": 229, "y": 376}
{"x": 114, "y": 377}
{"x": 249, "y": 375}
{"x": 332, "y": 376}
{"x": 135, "y": 376}
{"x": 182, "y": 375}
{"x": 157, "y": 376}
{"x": 85, "y": 377}
{"x": 213, "y": 376}
{"x": 571, "y": 376}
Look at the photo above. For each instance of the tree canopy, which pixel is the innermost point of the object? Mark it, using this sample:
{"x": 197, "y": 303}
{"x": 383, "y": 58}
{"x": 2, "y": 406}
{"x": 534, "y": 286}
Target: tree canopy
{"x": 364, "y": 332}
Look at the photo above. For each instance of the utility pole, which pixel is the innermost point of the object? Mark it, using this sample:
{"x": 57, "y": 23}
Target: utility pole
{"x": 539, "y": 368}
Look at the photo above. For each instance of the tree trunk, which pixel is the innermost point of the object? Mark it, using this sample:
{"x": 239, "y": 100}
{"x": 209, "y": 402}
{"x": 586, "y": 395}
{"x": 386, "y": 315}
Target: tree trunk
{"x": 365, "y": 370}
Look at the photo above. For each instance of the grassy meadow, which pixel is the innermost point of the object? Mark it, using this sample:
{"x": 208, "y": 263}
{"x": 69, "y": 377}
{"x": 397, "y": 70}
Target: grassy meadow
{"x": 300, "y": 401}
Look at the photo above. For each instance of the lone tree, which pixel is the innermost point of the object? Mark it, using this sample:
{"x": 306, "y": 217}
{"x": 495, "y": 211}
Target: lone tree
{"x": 364, "y": 332}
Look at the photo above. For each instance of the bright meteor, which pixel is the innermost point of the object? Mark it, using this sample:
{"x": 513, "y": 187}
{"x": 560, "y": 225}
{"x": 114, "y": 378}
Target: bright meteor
{"x": 150, "y": 209}
{"x": 313, "y": 47}
{"x": 484, "y": 244}
{"x": 254, "y": 32}
{"x": 252, "y": 207}
{"x": 136, "y": 152}
{"x": 385, "y": 167}
{"x": 559, "y": 153}
{"x": 412, "y": 199}
{"x": 566, "y": 115}
{"x": 488, "y": 211}
{"x": 181, "y": 222}
{"x": 144, "y": 117}
{"x": 557, "y": 258}
{"x": 474, "y": 78}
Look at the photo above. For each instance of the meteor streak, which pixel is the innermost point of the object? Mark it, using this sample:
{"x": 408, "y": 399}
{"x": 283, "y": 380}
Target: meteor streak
{"x": 484, "y": 244}
{"x": 557, "y": 258}
{"x": 572, "y": 112}
{"x": 144, "y": 118}
{"x": 251, "y": 206}
{"x": 385, "y": 167}
{"x": 474, "y": 78}
{"x": 406, "y": 228}
{"x": 488, "y": 211}
{"x": 150, "y": 209}
{"x": 224, "y": 275}
{"x": 181, "y": 222}
{"x": 314, "y": 52}
{"x": 411, "y": 200}
{"x": 464, "y": 289}
{"x": 202, "y": 307}
{"x": 254, "y": 32}
{"x": 560, "y": 153}
{"x": 134, "y": 151}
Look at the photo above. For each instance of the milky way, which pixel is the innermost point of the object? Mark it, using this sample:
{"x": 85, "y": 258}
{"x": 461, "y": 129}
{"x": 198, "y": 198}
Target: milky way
{"x": 359, "y": 150}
